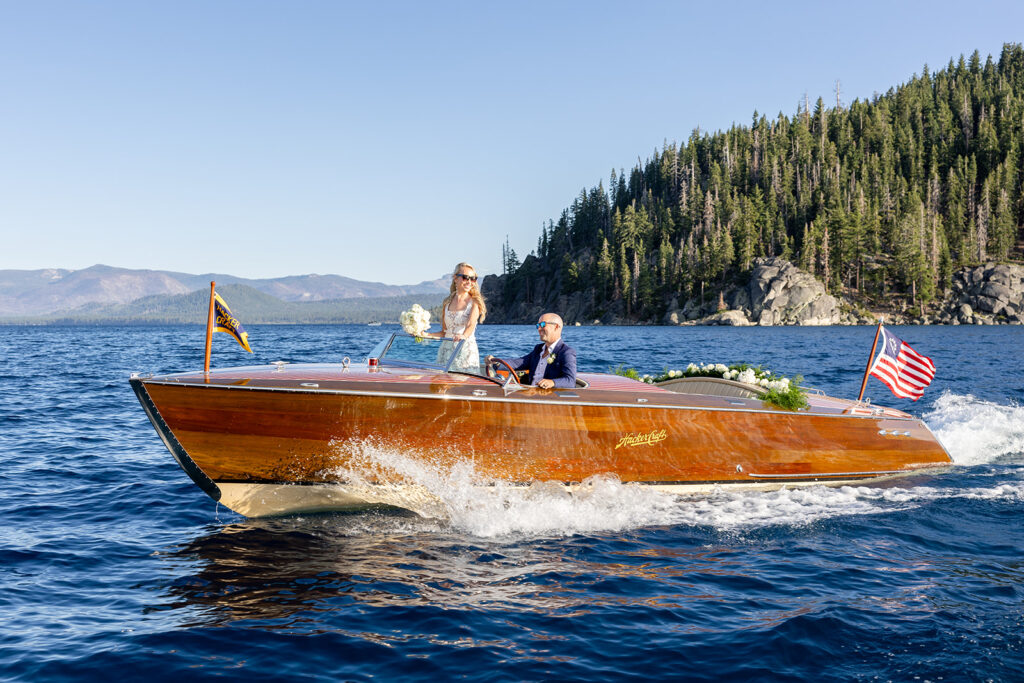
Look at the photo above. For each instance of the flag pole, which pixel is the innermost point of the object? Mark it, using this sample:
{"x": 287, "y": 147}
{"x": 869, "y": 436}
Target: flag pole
{"x": 209, "y": 331}
{"x": 874, "y": 345}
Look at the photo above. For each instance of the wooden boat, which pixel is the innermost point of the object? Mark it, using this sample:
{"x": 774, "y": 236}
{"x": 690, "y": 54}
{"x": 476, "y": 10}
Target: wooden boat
{"x": 286, "y": 438}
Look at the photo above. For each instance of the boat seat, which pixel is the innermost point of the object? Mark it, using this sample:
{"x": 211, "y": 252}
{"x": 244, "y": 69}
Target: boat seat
{"x": 711, "y": 386}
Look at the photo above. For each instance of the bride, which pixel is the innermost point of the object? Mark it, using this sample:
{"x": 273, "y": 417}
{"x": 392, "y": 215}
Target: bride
{"x": 461, "y": 311}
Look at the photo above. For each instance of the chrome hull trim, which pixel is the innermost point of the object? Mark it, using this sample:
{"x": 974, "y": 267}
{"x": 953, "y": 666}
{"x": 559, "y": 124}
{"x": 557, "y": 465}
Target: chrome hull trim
{"x": 831, "y": 475}
{"x": 178, "y": 451}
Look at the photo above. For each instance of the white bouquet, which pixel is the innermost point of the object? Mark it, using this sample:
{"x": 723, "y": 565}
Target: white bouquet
{"x": 415, "y": 321}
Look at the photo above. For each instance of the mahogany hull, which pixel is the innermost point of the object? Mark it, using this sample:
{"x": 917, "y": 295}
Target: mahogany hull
{"x": 331, "y": 443}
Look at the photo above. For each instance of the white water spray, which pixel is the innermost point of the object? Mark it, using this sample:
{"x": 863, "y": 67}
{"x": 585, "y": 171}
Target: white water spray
{"x": 492, "y": 508}
{"x": 449, "y": 490}
{"x": 975, "y": 431}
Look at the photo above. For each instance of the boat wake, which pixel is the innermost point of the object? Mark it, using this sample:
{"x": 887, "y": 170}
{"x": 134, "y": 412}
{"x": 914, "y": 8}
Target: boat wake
{"x": 458, "y": 499}
{"x": 805, "y": 506}
{"x": 975, "y": 431}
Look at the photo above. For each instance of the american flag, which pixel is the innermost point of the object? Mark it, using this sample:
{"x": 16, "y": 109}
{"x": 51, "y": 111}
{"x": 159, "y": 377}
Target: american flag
{"x": 901, "y": 368}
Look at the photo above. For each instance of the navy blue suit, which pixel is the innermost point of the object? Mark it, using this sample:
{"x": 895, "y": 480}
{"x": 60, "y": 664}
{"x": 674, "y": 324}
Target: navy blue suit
{"x": 562, "y": 371}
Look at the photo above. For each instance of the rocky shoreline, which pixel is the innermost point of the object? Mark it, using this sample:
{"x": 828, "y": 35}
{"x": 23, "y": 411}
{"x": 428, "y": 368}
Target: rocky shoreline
{"x": 986, "y": 295}
{"x": 779, "y": 293}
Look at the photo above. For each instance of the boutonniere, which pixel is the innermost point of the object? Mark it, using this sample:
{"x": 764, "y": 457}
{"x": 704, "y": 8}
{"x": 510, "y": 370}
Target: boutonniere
{"x": 551, "y": 359}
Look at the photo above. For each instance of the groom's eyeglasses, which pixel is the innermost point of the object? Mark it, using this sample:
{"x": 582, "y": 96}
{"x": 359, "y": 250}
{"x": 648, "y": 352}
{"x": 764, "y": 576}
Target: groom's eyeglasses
{"x": 544, "y": 323}
{"x": 471, "y": 278}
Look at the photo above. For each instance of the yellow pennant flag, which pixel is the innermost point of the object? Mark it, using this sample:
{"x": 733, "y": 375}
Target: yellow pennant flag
{"x": 225, "y": 322}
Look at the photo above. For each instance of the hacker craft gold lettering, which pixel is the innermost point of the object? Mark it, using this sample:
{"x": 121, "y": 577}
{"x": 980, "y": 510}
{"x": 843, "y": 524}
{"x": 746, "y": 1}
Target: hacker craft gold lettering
{"x": 645, "y": 439}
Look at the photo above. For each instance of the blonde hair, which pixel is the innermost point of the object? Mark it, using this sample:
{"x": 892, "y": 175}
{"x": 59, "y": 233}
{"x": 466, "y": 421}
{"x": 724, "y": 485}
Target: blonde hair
{"x": 478, "y": 298}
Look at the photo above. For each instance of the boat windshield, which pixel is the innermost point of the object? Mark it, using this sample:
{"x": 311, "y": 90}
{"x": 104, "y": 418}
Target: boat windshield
{"x": 405, "y": 350}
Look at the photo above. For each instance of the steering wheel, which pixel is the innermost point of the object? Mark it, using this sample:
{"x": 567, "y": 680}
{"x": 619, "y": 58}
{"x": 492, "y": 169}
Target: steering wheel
{"x": 496, "y": 370}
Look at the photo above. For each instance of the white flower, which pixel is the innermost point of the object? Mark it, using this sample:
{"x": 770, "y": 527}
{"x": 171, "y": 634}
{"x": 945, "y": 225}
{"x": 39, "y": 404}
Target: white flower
{"x": 415, "y": 321}
{"x": 757, "y": 377}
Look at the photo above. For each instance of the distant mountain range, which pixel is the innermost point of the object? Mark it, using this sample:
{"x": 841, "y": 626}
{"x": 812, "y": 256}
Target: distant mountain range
{"x": 247, "y": 304}
{"x": 103, "y": 293}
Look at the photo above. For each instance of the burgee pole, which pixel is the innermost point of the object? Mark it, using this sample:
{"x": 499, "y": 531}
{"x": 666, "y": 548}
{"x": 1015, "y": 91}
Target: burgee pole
{"x": 874, "y": 345}
{"x": 209, "y": 331}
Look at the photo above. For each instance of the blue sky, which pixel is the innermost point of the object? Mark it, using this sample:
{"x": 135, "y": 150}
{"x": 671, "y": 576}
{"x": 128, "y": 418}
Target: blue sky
{"x": 388, "y": 141}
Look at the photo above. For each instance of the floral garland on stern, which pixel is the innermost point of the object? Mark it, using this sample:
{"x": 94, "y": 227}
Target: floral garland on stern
{"x": 782, "y": 392}
{"x": 415, "y": 321}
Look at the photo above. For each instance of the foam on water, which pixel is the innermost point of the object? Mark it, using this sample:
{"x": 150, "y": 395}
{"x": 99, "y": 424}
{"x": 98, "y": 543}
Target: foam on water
{"x": 455, "y": 495}
{"x": 975, "y": 431}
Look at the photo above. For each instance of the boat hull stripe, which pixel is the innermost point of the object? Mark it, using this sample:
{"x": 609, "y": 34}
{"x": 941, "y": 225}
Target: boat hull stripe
{"x": 782, "y": 478}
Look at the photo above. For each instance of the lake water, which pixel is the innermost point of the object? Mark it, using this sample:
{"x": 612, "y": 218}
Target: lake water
{"x": 113, "y": 564}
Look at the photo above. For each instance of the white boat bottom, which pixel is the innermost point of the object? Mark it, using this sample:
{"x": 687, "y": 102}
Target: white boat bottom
{"x": 267, "y": 500}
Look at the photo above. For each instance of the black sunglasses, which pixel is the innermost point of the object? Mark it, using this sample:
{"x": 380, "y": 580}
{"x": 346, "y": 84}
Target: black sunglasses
{"x": 471, "y": 278}
{"x": 544, "y": 323}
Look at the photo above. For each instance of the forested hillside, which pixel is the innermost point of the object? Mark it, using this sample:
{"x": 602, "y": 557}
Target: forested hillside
{"x": 880, "y": 199}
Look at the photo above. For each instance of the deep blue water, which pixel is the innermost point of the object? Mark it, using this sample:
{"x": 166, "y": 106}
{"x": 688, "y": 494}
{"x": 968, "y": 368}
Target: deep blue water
{"x": 113, "y": 565}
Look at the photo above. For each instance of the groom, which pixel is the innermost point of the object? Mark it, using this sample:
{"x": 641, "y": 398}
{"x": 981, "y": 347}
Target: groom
{"x": 552, "y": 363}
